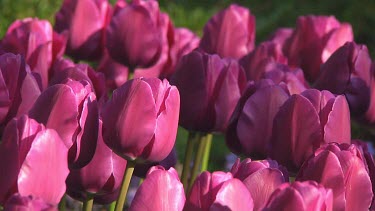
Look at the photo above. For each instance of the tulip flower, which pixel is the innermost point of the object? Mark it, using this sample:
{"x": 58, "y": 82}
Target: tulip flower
{"x": 298, "y": 196}
{"x": 134, "y": 35}
{"x": 305, "y": 122}
{"x": 210, "y": 88}
{"x": 18, "y": 202}
{"x": 37, "y": 42}
{"x": 19, "y": 88}
{"x": 341, "y": 168}
{"x": 115, "y": 73}
{"x": 348, "y": 72}
{"x": 218, "y": 191}
{"x": 280, "y": 36}
{"x": 84, "y": 21}
{"x": 71, "y": 109}
{"x": 250, "y": 127}
{"x": 260, "y": 177}
{"x": 313, "y": 42}
{"x": 167, "y": 191}
{"x": 229, "y": 33}
{"x": 33, "y": 161}
{"x": 141, "y": 119}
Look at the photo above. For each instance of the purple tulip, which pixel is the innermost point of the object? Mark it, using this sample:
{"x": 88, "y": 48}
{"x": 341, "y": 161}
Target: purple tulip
{"x": 314, "y": 40}
{"x": 305, "y": 122}
{"x": 341, "y": 168}
{"x": 250, "y": 127}
{"x": 218, "y": 191}
{"x": 260, "y": 177}
{"x": 161, "y": 190}
{"x": 308, "y": 196}
{"x": 25, "y": 203}
{"x": 115, "y": 73}
{"x": 37, "y": 42}
{"x": 71, "y": 109}
{"x": 348, "y": 72}
{"x": 141, "y": 119}
{"x": 134, "y": 35}
{"x": 85, "y": 22}
{"x": 19, "y": 88}
{"x": 34, "y": 161}
{"x": 230, "y": 33}
{"x": 210, "y": 88}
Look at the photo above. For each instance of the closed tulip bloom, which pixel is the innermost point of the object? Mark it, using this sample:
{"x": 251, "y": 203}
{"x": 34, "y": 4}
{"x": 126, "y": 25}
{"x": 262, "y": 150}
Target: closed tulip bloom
{"x": 134, "y": 34}
{"x": 305, "y": 122}
{"x": 341, "y": 168}
{"x": 229, "y": 33}
{"x": 71, "y": 109}
{"x": 210, "y": 88}
{"x": 34, "y": 161}
{"x": 300, "y": 196}
{"x": 218, "y": 191}
{"x": 250, "y": 127}
{"x": 141, "y": 119}
{"x": 167, "y": 191}
{"x": 24, "y": 203}
{"x": 313, "y": 42}
{"x": 37, "y": 42}
{"x": 84, "y": 21}
{"x": 260, "y": 177}
{"x": 19, "y": 88}
{"x": 348, "y": 72}
{"x": 280, "y": 36}
{"x": 116, "y": 74}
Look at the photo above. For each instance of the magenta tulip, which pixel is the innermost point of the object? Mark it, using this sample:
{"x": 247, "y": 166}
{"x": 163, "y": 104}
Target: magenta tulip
{"x": 141, "y": 119}
{"x": 341, "y": 168}
{"x": 115, "y": 73}
{"x": 314, "y": 40}
{"x": 260, "y": 177}
{"x": 33, "y": 161}
{"x": 210, "y": 88}
{"x": 24, "y": 203}
{"x": 299, "y": 196}
{"x": 250, "y": 127}
{"x": 218, "y": 191}
{"x": 167, "y": 191}
{"x": 230, "y": 33}
{"x": 71, "y": 109}
{"x": 280, "y": 36}
{"x": 84, "y": 21}
{"x": 37, "y": 42}
{"x": 305, "y": 122}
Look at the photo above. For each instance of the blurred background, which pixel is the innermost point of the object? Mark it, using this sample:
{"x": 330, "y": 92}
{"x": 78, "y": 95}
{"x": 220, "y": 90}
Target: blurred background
{"x": 193, "y": 14}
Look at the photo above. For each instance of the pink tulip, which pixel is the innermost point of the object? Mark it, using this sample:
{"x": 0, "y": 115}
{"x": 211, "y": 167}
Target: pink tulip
{"x": 341, "y": 168}
{"x": 298, "y": 196}
{"x": 313, "y": 42}
{"x": 161, "y": 190}
{"x": 280, "y": 36}
{"x": 260, "y": 177}
{"x": 305, "y": 122}
{"x": 34, "y": 161}
{"x": 141, "y": 119}
{"x": 218, "y": 191}
{"x": 115, "y": 73}
{"x": 84, "y": 21}
{"x": 230, "y": 33}
{"x": 210, "y": 88}
{"x": 24, "y": 203}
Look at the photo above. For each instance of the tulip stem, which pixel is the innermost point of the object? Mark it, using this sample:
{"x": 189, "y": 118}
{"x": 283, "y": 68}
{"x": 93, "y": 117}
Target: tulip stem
{"x": 187, "y": 159}
{"x": 87, "y": 205}
{"x": 207, "y": 150}
{"x": 62, "y": 204}
{"x": 112, "y": 206}
{"x": 125, "y": 186}
{"x": 197, "y": 160}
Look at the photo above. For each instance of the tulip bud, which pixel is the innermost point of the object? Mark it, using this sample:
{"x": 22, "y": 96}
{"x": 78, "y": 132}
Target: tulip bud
{"x": 34, "y": 160}
{"x": 313, "y": 42}
{"x": 210, "y": 88}
{"x": 19, "y": 203}
{"x": 298, "y": 196}
{"x": 230, "y": 33}
{"x": 167, "y": 191}
{"x": 341, "y": 168}
{"x": 85, "y": 21}
{"x": 141, "y": 119}
{"x": 305, "y": 122}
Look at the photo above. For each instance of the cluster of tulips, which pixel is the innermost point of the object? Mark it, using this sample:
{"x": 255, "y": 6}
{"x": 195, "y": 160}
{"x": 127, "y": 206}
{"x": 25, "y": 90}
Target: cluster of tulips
{"x": 83, "y": 129}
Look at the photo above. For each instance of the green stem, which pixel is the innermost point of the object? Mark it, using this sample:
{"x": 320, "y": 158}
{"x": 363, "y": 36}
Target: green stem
{"x": 87, "y": 205}
{"x": 207, "y": 150}
{"x": 187, "y": 159}
{"x": 125, "y": 186}
{"x": 112, "y": 206}
{"x": 62, "y": 204}
{"x": 197, "y": 161}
